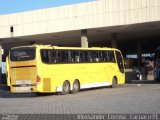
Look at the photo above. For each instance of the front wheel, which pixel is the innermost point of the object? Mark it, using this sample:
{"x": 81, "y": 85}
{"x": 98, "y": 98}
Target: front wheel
{"x": 114, "y": 83}
{"x": 65, "y": 88}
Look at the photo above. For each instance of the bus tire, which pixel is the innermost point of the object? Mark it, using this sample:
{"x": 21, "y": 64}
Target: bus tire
{"x": 65, "y": 88}
{"x": 76, "y": 86}
{"x": 114, "y": 82}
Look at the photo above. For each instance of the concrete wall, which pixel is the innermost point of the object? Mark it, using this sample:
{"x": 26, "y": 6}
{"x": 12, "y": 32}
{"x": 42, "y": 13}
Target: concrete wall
{"x": 99, "y": 13}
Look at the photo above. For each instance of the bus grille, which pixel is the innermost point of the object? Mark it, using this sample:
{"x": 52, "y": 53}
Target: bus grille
{"x": 47, "y": 85}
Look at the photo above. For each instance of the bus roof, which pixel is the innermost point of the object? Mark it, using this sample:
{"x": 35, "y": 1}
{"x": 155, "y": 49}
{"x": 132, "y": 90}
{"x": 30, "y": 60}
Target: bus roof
{"x": 68, "y": 48}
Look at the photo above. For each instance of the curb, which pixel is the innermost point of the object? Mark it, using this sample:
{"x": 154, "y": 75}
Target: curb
{"x": 143, "y": 82}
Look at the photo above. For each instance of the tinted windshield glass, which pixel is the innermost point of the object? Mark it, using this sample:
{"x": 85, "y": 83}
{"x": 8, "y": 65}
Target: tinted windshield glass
{"x": 22, "y": 54}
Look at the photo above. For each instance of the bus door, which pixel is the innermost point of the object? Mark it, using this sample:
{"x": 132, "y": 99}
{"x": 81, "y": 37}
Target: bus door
{"x": 111, "y": 69}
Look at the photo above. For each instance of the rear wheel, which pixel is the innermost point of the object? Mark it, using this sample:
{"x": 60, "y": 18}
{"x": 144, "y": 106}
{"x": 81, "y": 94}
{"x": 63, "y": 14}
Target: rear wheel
{"x": 65, "y": 88}
{"x": 114, "y": 82}
{"x": 76, "y": 86}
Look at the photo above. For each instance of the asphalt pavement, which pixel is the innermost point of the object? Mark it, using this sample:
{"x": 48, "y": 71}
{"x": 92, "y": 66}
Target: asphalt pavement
{"x": 129, "y": 98}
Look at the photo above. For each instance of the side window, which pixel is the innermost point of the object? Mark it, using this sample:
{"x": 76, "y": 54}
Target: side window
{"x": 56, "y": 56}
{"x": 75, "y": 56}
{"x": 95, "y": 56}
{"x": 46, "y": 56}
{"x": 87, "y": 56}
{"x": 82, "y": 57}
{"x": 90, "y": 56}
{"x": 65, "y": 56}
{"x": 104, "y": 56}
{"x": 69, "y": 57}
{"x": 101, "y": 56}
{"x": 111, "y": 57}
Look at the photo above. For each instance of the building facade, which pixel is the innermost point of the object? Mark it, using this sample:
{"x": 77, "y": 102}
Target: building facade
{"x": 130, "y": 25}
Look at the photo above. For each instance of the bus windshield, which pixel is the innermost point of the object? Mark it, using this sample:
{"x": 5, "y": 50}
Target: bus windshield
{"x": 23, "y": 54}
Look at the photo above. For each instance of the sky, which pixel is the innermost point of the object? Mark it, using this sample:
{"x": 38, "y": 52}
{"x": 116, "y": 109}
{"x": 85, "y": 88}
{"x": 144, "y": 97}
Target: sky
{"x": 13, "y": 6}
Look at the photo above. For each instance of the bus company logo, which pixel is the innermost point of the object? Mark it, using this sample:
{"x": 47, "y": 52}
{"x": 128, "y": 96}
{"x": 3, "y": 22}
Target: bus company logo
{"x": 17, "y": 54}
{"x": 9, "y": 117}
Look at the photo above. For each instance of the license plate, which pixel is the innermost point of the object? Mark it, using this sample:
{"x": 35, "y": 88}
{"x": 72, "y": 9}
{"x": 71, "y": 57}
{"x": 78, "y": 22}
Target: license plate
{"x": 23, "y": 89}
{"x": 23, "y": 82}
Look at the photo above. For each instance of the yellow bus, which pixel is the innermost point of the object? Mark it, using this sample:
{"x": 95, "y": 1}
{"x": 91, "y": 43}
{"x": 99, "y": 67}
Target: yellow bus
{"x": 49, "y": 69}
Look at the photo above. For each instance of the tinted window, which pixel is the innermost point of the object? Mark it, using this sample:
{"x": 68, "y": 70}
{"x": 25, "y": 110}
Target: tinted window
{"x": 22, "y": 54}
{"x": 104, "y": 56}
{"x": 46, "y": 56}
{"x": 120, "y": 61}
{"x": 111, "y": 57}
{"x": 76, "y": 56}
{"x": 55, "y": 56}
